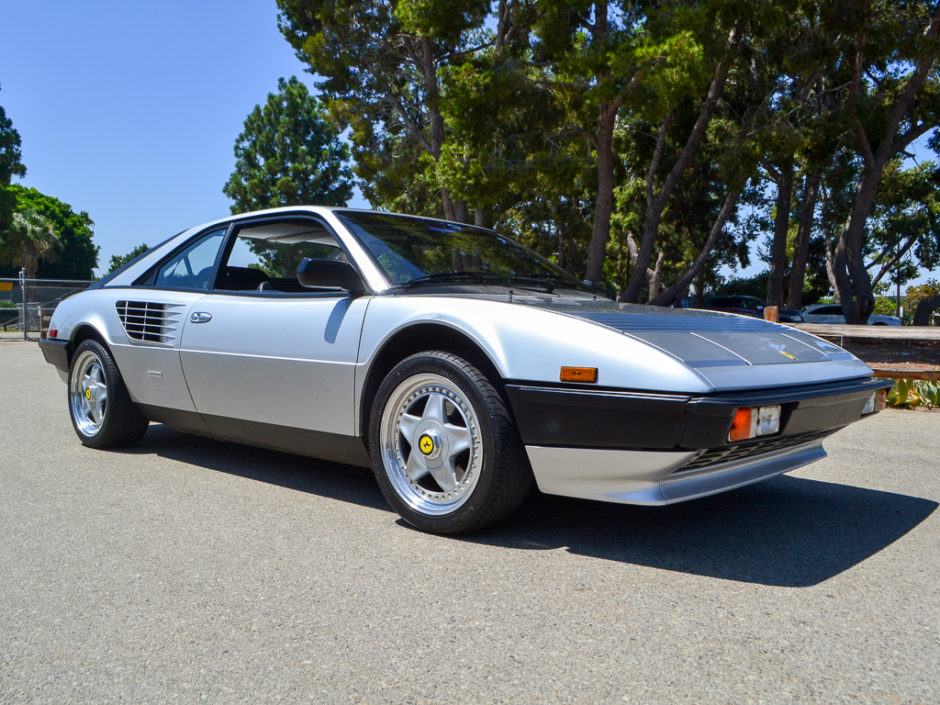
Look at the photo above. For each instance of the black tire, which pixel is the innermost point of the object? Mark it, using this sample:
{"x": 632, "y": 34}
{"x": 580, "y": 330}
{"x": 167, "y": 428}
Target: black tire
{"x": 101, "y": 410}
{"x": 444, "y": 449}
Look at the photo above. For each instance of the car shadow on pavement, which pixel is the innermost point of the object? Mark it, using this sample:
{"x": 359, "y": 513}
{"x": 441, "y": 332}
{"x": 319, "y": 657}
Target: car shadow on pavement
{"x": 296, "y": 472}
{"x": 787, "y": 531}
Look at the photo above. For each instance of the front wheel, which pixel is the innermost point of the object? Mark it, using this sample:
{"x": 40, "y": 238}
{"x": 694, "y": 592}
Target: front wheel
{"x": 444, "y": 450}
{"x": 102, "y": 412}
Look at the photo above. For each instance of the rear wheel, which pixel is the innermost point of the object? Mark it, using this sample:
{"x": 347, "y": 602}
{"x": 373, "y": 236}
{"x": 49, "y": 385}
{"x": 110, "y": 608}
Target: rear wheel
{"x": 102, "y": 412}
{"x": 444, "y": 450}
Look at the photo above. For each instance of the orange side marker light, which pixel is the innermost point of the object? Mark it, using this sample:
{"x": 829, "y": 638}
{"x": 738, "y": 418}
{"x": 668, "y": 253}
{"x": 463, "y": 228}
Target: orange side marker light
{"x": 578, "y": 374}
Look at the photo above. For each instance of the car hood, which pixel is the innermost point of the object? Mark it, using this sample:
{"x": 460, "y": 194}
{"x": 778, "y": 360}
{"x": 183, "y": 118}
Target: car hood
{"x": 726, "y": 349}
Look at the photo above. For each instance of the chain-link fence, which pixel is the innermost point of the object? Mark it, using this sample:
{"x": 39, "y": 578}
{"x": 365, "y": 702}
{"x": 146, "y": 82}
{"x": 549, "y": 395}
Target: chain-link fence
{"x": 27, "y": 304}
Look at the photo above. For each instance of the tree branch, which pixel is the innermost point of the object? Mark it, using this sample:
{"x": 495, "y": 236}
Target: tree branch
{"x": 670, "y": 293}
{"x": 908, "y": 93}
{"x": 895, "y": 258}
{"x": 657, "y": 156}
{"x": 715, "y": 89}
{"x": 412, "y": 126}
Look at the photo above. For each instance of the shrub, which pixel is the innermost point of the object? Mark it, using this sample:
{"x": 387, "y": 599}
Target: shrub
{"x": 910, "y": 393}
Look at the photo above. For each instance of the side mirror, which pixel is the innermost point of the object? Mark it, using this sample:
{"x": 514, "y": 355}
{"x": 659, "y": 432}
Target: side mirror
{"x": 329, "y": 274}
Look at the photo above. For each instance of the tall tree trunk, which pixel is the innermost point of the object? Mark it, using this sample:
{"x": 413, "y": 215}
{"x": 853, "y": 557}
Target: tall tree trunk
{"x": 461, "y": 212}
{"x": 827, "y": 244}
{"x": 699, "y": 289}
{"x": 452, "y": 210}
{"x": 778, "y": 251}
{"x": 448, "y": 204}
{"x": 604, "y": 146}
{"x": 604, "y": 202}
{"x": 666, "y": 297}
{"x": 656, "y": 203}
{"x": 656, "y": 276}
{"x": 436, "y": 121}
{"x": 801, "y": 247}
{"x": 924, "y": 309}
{"x": 653, "y": 274}
{"x": 852, "y": 279}
{"x": 854, "y": 282}
{"x": 831, "y": 273}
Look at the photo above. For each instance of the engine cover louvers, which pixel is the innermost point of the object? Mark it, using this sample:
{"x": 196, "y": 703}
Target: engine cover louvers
{"x": 149, "y": 321}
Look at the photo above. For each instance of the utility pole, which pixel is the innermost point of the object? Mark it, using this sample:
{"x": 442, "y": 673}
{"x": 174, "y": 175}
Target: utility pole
{"x": 23, "y": 296}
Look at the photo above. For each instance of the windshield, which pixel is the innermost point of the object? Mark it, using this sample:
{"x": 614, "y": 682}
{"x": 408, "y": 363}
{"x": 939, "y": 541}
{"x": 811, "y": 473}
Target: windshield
{"x": 413, "y": 251}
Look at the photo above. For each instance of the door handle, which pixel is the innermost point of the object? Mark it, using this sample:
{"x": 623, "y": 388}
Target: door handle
{"x": 200, "y": 317}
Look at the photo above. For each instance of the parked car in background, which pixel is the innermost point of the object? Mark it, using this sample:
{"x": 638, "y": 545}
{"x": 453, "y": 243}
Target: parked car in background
{"x": 750, "y": 306}
{"x": 832, "y": 313}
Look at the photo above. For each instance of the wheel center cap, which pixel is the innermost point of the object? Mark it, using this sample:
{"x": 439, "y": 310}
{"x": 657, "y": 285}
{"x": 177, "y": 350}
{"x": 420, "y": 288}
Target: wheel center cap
{"x": 429, "y": 444}
{"x": 88, "y": 392}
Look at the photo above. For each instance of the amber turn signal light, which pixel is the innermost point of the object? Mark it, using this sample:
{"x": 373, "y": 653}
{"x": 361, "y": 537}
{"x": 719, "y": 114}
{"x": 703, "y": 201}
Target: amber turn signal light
{"x": 741, "y": 426}
{"x": 578, "y": 374}
{"x": 750, "y": 423}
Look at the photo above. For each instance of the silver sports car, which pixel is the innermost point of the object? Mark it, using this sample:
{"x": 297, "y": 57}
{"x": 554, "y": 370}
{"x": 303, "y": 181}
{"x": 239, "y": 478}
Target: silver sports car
{"x": 460, "y": 365}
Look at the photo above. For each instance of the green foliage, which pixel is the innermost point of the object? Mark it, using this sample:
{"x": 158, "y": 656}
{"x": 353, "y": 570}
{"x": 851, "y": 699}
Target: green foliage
{"x": 906, "y": 221}
{"x": 490, "y": 152}
{"x": 446, "y": 22}
{"x": 118, "y": 261}
{"x": 381, "y": 64}
{"x": 493, "y": 111}
{"x": 750, "y": 286}
{"x": 29, "y": 239}
{"x": 911, "y": 393}
{"x": 885, "y": 305}
{"x": 76, "y": 255}
{"x": 916, "y": 294}
{"x": 288, "y": 155}
{"x": 10, "y": 166}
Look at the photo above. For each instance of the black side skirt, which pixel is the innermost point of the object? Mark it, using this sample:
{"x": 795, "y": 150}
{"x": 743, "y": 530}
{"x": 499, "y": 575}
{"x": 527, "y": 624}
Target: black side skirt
{"x": 316, "y": 444}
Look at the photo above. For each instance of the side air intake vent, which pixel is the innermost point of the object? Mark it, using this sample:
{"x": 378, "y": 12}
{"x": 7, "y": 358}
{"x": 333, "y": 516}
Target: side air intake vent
{"x": 149, "y": 322}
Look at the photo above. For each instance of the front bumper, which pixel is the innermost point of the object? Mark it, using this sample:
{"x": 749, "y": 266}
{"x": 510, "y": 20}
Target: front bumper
{"x": 654, "y": 477}
{"x": 647, "y": 448}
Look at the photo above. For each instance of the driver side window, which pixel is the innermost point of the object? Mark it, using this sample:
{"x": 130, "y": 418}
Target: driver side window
{"x": 192, "y": 268}
{"x": 264, "y": 256}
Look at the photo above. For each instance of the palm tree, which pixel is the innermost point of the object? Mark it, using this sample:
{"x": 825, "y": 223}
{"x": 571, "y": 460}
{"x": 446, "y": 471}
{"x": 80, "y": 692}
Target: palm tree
{"x": 29, "y": 239}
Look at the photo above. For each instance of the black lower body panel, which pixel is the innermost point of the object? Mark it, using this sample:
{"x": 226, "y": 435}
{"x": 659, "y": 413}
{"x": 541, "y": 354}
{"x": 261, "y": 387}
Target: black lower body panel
{"x": 316, "y": 444}
{"x": 587, "y": 418}
{"x": 56, "y": 352}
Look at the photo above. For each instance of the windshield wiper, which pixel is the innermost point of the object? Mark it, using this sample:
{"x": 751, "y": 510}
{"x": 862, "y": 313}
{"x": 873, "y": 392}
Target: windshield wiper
{"x": 547, "y": 277}
{"x": 457, "y": 275}
{"x": 555, "y": 279}
{"x": 546, "y": 282}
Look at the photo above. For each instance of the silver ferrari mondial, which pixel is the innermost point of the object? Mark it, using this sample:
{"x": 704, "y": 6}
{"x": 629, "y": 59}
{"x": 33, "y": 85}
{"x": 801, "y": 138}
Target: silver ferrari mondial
{"x": 457, "y": 363}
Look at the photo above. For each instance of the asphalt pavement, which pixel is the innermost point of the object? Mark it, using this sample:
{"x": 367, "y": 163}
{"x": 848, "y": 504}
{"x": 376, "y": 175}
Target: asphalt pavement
{"x": 189, "y": 570}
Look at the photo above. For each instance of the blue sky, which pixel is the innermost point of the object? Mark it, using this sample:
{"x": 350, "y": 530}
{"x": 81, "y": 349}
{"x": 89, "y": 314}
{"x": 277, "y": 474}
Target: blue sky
{"x": 130, "y": 110}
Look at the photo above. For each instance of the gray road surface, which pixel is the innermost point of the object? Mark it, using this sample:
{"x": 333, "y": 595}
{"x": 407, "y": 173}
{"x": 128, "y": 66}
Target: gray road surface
{"x": 188, "y": 570}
